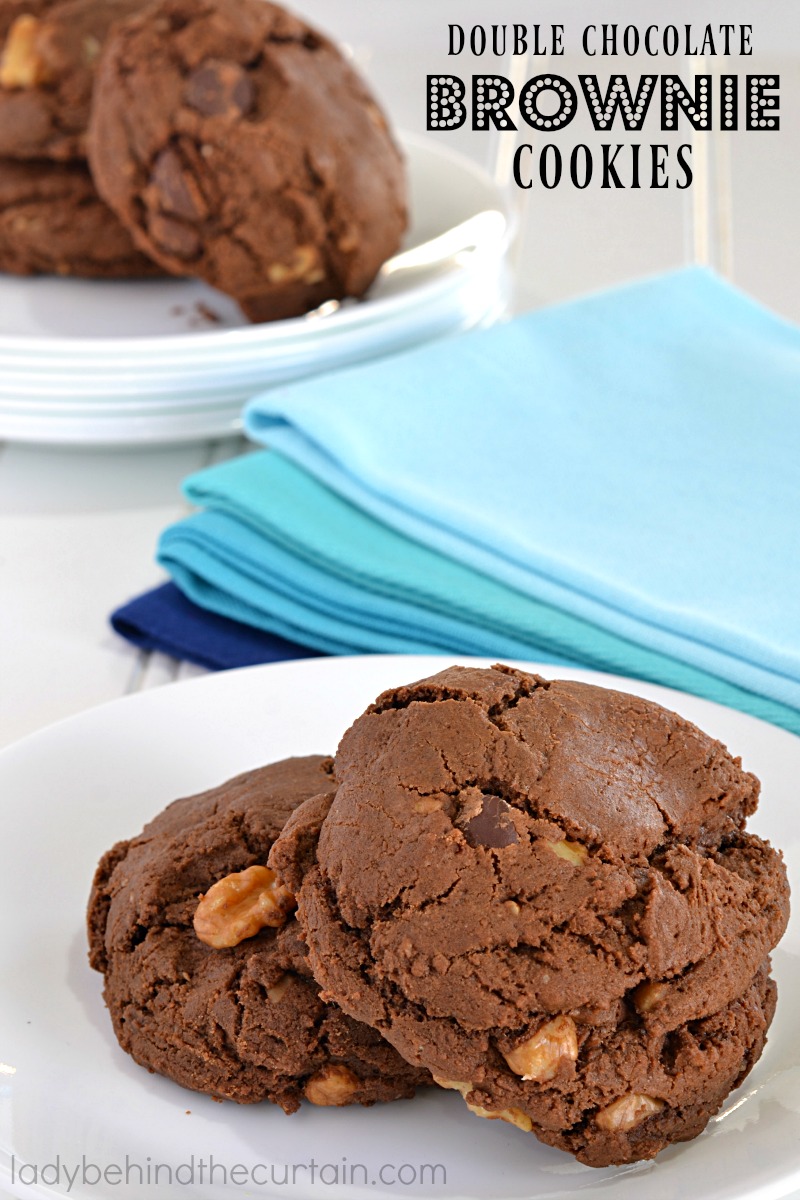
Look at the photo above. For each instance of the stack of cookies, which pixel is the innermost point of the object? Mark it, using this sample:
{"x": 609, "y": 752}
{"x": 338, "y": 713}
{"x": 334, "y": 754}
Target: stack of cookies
{"x": 227, "y": 142}
{"x": 540, "y": 895}
{"x": 52, "y": 220}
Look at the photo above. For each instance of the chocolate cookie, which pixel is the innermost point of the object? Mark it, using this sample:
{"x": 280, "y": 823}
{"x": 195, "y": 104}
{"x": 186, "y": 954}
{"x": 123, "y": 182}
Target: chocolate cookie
{"x": 47, "y": 65}
{"x": 239, "y": 146}
{"x": 241, "y": 1021}
{"x": 544, "y": 893}
{"x": 52, "y": 222}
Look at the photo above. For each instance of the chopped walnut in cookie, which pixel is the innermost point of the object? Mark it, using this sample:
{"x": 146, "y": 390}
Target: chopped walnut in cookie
{"x": 453, "y": 1085}
{"x": 540, "y": 1056}
{"x": 278, "y": 990}
{"x": 334, "y": 1085}
{"x": 305, "y": 265}
{"x": 240, "y": 906}
{"x": 648, "y": 995}
{"x": 627, "y": 1112}
{"x": 22, "y": 65}
{"x": 573, "y": 852}
{"x": 514, "y": 1116}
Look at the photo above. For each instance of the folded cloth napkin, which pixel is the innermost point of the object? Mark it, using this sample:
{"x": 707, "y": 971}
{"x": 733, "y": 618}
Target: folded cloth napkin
{"x": 164, "y": 619}
{"x": 629, "y": 460}
{"x": 277, "y": 549}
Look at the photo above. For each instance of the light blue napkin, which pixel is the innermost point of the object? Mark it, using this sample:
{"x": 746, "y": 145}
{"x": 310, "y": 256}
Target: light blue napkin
{"x": 278, "y": 550}
{"x": 630, "y": 459}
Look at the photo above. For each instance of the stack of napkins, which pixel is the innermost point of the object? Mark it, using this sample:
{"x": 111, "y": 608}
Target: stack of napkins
{"x": 612, "y": 482}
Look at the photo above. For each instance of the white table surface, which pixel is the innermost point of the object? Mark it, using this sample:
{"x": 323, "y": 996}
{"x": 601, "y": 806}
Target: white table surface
{"x": 78, "y": 528}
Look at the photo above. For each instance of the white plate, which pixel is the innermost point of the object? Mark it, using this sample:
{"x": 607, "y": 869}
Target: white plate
{"x": 94, "y": 361}
{"x": 70, "y": 317}
{"x": 209, "y": 404}
{"x": 66, "y": 1090}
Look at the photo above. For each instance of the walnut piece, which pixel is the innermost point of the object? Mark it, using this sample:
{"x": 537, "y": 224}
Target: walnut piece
{"x": 333, "y": 1085}
{"x": 240, "y": 905}
{"x": 572, "y": 852}
{"x": 627, "y": 1112}
{"x": 648, "y": 995}
{"x": 427, "y": 804}
{"x": 279, "y": 988}
{"x": 91, "y": 49}
{"x": 514, "y": 1116}
{"x": 305, "y": 266}
{"x": 540, "y": 1056}
{"x": 453, "y": 1084}
{"x": 21, "y": 65}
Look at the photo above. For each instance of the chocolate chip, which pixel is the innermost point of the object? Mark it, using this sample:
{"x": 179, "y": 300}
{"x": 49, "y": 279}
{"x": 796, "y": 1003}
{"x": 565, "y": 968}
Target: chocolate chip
{"x": 491, "y": 826}
{"x": 174, "y": 237}
{"x": 220, "y": 89}
{"x": 175, "y": 190}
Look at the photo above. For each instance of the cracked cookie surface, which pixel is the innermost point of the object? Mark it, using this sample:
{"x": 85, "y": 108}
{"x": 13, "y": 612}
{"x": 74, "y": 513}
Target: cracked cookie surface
{"x": 52, "y": 222}
{"x": 240, "y": 146}
{"x": 558, "y": 875}
{"x": 244, "y": 1023}
{"x": 48, "y": 58}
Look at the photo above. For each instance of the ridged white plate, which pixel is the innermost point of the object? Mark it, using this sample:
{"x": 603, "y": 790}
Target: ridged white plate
{"x": 161, "y": 360}
{"x": 67, "y": 1090}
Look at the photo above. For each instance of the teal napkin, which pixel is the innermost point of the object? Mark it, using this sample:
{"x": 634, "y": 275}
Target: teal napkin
{"x": 629, "y": 460}
{"x": 276, "y": 549}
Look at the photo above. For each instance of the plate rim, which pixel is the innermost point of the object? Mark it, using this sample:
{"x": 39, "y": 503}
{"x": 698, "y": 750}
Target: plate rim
{"x": 321, "y": 662}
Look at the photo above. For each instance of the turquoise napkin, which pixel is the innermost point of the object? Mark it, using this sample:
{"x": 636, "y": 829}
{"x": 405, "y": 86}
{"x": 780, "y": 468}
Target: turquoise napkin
{"x": 629, "y": 460}
{"x": 276, "y": 549}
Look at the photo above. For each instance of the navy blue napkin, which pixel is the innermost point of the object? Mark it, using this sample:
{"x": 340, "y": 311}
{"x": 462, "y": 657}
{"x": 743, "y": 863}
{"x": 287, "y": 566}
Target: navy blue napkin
{"x": 166, "y": 620}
